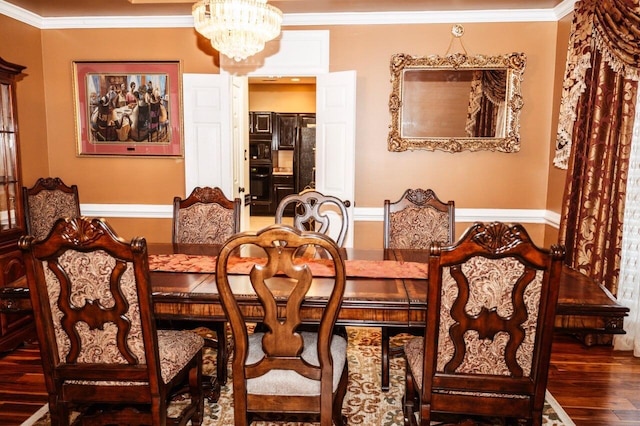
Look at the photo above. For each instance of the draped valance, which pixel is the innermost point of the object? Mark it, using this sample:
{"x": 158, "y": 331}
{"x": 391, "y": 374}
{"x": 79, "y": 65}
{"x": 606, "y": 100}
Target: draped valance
{"x": 601, "y": 29}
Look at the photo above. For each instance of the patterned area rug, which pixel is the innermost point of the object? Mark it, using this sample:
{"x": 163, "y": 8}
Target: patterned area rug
{"x": 365, "y": 403}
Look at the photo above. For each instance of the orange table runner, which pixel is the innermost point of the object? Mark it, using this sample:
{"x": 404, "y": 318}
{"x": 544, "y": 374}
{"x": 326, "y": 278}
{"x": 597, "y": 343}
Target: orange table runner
{"x": 319, "y": 267}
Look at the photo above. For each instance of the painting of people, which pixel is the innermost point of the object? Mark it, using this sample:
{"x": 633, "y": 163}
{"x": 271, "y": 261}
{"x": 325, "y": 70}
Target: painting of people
{"x": 128, "y": 108}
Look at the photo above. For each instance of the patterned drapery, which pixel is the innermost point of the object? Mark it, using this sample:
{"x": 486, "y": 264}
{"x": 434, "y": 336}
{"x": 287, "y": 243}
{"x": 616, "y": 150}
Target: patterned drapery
{"x": 607, "y": 28}
{"x": 487, "y": 104}
{"x": 596, "y": 125}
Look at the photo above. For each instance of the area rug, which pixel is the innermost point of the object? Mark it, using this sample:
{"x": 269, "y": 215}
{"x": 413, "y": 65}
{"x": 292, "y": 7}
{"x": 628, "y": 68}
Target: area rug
{"x": 365, "y": 403}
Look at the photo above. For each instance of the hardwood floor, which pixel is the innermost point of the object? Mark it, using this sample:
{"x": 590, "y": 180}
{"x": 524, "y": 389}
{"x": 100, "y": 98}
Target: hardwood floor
{"x": 596, "y": 386}
{"x": 22, "y": 389}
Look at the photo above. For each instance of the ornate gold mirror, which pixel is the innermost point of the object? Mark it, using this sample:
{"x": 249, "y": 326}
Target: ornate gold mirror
{"x": 456, "y": 102}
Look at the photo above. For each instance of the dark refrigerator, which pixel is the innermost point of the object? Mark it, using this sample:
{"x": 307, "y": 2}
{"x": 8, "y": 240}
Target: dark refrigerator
{"x": 304, "y": 158}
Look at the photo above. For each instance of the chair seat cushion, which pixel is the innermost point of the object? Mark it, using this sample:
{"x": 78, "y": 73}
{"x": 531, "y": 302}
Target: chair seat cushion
{"x": 414, "y": 352}
{"x": 287, "y": 382}
{"x": 175, "y": 347}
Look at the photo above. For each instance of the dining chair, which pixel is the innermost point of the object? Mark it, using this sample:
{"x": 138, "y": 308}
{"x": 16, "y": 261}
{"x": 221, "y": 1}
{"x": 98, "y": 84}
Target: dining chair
{"x": 318, "y": 212}
{"x": 48, "y": 200}
{"x": 207, "y": 216}
{"x": 284, "y": 369}
{"x": 101, "y": 353}
{"x": 492, "y": 298}
{"x": 416, "y": 220}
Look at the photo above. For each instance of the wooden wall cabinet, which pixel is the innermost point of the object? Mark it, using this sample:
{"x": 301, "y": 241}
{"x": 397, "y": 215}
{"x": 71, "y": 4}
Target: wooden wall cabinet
{"x": 15, "y": 327}
{"x": 288, "y": 127}
{"x": 260, "y": 123}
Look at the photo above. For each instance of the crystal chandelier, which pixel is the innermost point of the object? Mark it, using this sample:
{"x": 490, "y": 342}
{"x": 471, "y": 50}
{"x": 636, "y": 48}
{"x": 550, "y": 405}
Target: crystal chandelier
{"x": 237, "y": 28}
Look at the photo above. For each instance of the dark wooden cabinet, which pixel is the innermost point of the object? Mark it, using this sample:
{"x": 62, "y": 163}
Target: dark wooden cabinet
{"x": 261, "y": 123}
{"x": 286, "y": 130}
{"x": 14, "y": 327}
{"x": 282, "y": 186}
{"x": 288, "y": 126}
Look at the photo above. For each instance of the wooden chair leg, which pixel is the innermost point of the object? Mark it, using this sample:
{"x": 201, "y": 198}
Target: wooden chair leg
{"x": 385, "y": 359}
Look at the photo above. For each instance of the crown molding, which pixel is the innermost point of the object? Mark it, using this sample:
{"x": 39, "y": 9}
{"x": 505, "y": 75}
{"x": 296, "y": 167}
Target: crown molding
{"x": 22, "y": 15}
{"x": 298, "y": 19}
{"x": 564, "y": 8}
{"x": 419, "y": 17}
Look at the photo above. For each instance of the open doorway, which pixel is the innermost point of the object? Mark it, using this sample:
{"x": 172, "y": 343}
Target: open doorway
{"x": 281, "y": 142}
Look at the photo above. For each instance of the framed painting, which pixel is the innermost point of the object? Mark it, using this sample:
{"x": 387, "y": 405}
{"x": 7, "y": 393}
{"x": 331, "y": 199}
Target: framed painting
{"x": 128, "y": 108}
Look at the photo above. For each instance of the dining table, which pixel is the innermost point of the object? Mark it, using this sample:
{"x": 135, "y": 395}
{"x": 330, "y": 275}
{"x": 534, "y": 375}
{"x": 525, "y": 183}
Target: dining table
{"x": 385, "y": 288}
{"x": 376, "y": 294}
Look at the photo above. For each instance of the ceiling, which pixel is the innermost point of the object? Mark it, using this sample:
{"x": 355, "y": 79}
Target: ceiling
{"x": 76, "y": 8}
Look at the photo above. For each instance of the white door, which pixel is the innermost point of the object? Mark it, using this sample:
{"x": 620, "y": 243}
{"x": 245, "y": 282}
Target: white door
{"x": 240, "y": 137}
{"x": 208, "y": 154}
{"x": 336, "y": 138}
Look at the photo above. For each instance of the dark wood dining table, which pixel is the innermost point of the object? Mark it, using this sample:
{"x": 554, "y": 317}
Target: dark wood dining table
{"x": 367, "y": 301}
{"x": 585, "y": 308}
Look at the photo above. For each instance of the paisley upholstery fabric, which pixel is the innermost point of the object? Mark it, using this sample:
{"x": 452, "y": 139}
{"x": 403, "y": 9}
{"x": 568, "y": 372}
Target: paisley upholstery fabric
{"x": 46, "y": 207}
{"x": 491, "y": 283}
{"x": 89, "y": 275}
{"x": 288, "y": 382}
{"x": 417, "y": 228}
{"x": 204, "y": 224}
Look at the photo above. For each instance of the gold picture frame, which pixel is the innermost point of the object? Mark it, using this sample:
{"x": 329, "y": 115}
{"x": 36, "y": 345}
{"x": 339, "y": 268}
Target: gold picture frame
{"x": 422, "y": 89}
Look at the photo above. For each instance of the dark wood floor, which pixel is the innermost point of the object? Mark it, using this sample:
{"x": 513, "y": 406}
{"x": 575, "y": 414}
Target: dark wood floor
{"x": 596, "y": 386}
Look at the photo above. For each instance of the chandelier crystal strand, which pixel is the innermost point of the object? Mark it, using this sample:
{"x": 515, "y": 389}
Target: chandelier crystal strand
{"x": 237, "y": 28}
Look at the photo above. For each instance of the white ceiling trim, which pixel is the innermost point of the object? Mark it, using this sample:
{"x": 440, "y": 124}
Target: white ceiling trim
{"x": 420, "y": 17}
{"x": 300, "y": 19}
{"x": 20, "y": 14}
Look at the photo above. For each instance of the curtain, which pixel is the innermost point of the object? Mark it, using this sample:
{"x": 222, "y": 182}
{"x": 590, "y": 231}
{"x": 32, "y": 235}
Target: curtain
{"x": 594, "y": 135}
{"x": 629, "y": 285}
{"x": 486, "y": 101}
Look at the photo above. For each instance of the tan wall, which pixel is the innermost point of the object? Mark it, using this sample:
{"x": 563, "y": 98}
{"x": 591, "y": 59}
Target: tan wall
{"x": 282, "y": 97}
{"x": 30, "y": 94}
{"x": 473, "y": 180}
{"x": 557, "y": 177}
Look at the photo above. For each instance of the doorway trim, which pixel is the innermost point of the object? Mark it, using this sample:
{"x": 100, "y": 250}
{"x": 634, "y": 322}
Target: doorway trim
{"x": 293, "y": 53}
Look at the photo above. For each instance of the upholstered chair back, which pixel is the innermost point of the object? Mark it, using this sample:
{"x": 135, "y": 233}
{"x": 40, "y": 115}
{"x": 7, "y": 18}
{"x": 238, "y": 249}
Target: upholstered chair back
{"x": 417, "y": 219}
{"x": 206, "y": 216}
{"x": 47, "y": 201}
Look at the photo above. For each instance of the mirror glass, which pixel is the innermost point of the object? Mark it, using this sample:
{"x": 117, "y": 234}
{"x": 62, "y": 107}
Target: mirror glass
{"x": 456, "y": 102}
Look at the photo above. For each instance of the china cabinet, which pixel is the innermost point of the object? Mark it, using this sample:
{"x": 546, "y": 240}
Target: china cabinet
{"x": 14, "y": 327}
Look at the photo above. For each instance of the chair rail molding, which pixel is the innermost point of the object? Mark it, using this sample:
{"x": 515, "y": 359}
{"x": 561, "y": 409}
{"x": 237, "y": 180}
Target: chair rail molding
{"x": 361, "y": 214}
